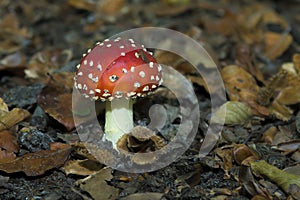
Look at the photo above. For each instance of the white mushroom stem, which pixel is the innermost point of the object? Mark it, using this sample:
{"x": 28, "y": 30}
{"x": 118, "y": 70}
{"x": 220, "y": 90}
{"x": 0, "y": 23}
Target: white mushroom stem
{"x": 118, "y": 119}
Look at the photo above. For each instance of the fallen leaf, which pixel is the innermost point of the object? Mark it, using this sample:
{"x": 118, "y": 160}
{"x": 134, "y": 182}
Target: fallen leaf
{"x": 97, "y": 186}
{"x": 110, "y": 8}
{"x": 250, "y": 184}
{"x": 283, "y": 179}
{"x": 296, "y": 61}
{"x": 13, "y": 117}
{"x": 8, "y": 142}
{"x": 46, "y": 62}
{"x": 56, "y": 98}
{"x": 239, "y": 84}
{"x": 242, "y": 154}
{"x": 3, "y": 108}
{"x": 268, "y": 135}
{"x": 233, "y": 112}
{"x": 226, "y": 155}
{"x": 144, "y": 196}
{"x": 82, "y": 167}
{"x": 265, "y": 94}
{"x": 276, "y": 44}
{"x": 83, "y": 4}
{"x": 226, "y": 25}
{"x": 244, "y": 56}
{"x": 288, "y": 147}
{"x": 6, "y": 156}
{"x": 34, "y": 164}
{"x": 281, "y": 112}
{"x": 12, "y": 36}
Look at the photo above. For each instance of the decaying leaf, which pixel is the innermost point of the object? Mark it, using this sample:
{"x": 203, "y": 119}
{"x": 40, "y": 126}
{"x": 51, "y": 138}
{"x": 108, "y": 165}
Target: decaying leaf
{"x": 250, "y": 184}
{"x": 268, "y": 135}
{"x": 233, "y": 112}
{"x": 283, "y": 179}
{"x": 244, "y": 154}
{"x": 265, "y": 94}
{"x": 34, "y": 164}
{"x": 13, "y": 117}
{"x": 82, "y": 167}
{"x": 226, "y": 155}
{"x": 12, "y": 36}
{"x": 46, "y": 62}
{"x": 144, "y": 196}
{"x": 56, "y": 98}
{"x": 245, "y": 58}
{"x": 83, "y": 4}
{"x": 276, "y": 44}
{"x": 8, "y": 146}
{"x": 241, "y": 86}
{"x": 290, "y": 93}
{"x": 8, "y": 141}
{"x": 288, "y": 147}
{"x": 110, "y": 8}
{"x": 280, "y": 111}
{"x": 3, "y": 108}
{"x": 97, "y": 186}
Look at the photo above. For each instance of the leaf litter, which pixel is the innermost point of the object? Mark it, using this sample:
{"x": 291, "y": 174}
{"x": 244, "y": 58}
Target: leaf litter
{"x": 256, "y": 47}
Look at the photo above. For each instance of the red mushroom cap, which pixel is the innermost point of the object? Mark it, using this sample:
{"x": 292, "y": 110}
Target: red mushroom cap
{"x": 117, "y": 68}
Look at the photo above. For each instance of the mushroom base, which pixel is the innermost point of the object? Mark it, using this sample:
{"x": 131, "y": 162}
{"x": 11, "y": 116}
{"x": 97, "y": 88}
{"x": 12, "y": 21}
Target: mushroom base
{"x": 118, "y": 119}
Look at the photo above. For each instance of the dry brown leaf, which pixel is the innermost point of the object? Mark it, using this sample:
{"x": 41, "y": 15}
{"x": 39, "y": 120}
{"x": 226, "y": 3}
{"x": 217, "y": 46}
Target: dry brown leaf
{"x": 6, "y": 156}
{"x": 226, "y": 155}
{"x": 241, "y": 86}
{"x": 288, "y": 147}
{"x": 13, "y": 117}
{"x": 96, "y": 185}
{"x": 280, "y": 111}
{"x": 56, "y": 98}
{"x": 225, "y": 26}
{"x": 296, "y": 61}
{"x": 244, "y": 56}
{"x": 238, "y": 81}
{"x": 144, "y": 196}
{"x": 82, "y": 167}
{"x": 34, "y": 164}
{"x": 8, "y": 141}
{"x": 276, "y": 44}
{"x": 242, "y": 153}
{"x": 3, "y": 108}
{"x": 268, "y": 135}
{"x": 83, "y": 4}
{"x": 108, "y": 7}
{"x": 289, "y": 93}
{"x": 12, "y": 36}
{"x": 281, "y": 178}
{"x": 45, "y": 62}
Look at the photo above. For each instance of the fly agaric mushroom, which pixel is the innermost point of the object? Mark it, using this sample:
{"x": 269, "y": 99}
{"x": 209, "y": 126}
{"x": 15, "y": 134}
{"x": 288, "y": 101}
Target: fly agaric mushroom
{"x": 117, "y": 71}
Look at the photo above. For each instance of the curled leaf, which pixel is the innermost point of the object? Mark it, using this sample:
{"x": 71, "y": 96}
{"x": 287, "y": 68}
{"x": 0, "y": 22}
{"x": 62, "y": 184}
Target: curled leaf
{"x": 283, "y": 179}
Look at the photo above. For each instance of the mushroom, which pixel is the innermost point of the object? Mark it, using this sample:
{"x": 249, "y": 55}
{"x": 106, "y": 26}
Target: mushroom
{"x": 117, "y": 71}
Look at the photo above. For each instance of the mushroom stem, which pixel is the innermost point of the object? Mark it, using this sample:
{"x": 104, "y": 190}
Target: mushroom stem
{"x": 118, "y": 119}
